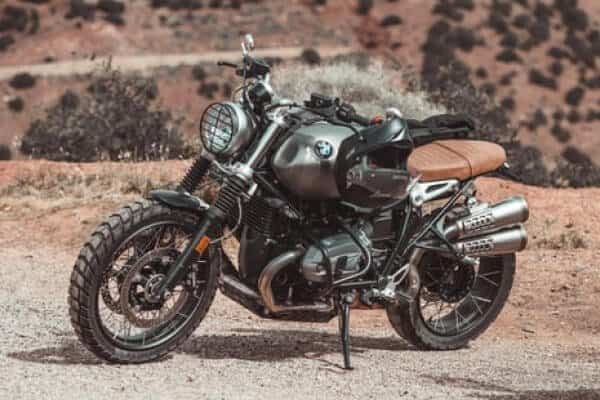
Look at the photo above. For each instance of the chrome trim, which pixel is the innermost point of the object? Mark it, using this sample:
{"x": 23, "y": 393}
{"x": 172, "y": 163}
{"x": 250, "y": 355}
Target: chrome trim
{"x": 487, "y": 219}
{"x": 266, "y": 140}
{"x": 505, "y": 241}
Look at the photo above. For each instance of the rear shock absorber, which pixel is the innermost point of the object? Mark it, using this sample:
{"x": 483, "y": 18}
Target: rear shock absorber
{"x": 194, "y": 174}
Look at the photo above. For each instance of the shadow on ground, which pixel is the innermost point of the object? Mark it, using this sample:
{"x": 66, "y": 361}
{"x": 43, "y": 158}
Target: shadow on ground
{"x": 262, "y": 345}
{"x": 242, "y": 344}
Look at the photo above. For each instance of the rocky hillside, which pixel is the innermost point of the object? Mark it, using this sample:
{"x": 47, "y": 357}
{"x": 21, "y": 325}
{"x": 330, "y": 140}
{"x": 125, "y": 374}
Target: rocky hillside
{"x": 526, "y": 70}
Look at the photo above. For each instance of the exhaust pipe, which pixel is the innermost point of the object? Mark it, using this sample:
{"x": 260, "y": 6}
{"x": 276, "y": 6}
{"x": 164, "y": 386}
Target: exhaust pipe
{"x": 505, "y": 241}
{"x": 265, "y": 288}
{"x": 508, "y": 212}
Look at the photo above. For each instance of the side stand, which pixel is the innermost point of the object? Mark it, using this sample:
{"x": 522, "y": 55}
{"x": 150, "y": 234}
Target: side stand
{"x": 344, "y": 323}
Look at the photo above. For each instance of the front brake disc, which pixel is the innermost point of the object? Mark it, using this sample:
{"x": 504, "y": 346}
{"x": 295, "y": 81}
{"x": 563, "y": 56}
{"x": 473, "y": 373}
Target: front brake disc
{"x": 136, "y": 301}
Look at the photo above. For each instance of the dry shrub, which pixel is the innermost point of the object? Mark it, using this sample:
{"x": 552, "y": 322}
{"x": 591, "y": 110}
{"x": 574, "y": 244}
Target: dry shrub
{"x": 370, "y": 87}
{"x": 569, "y": 240}
{"x": 115, "y": 120}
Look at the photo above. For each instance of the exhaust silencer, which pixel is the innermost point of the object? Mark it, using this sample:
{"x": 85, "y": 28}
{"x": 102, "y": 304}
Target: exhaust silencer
{"x": 505, "y": 241}
{"x": 508, "y": 212}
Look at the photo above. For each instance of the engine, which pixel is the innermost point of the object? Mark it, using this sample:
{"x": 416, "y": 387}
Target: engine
{"x": 339, "y": 254}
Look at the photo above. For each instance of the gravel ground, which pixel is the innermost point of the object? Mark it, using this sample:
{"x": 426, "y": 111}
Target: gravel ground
{"x": 235, "y": 355}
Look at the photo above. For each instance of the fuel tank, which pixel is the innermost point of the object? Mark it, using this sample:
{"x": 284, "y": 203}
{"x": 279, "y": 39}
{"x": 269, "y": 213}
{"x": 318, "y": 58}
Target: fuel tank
{"x": 305, "y": 163}
{"x": 367, "y": 168}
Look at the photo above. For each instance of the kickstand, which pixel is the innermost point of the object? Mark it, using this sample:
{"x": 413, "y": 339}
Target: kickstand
{"x": 344, "y": 322}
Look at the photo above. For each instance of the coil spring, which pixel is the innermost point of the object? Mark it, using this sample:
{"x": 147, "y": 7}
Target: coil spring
{"x": 194, "y": 175}
{"x": 229, "y": 194}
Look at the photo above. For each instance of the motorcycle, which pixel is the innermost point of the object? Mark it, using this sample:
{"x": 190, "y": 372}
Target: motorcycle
{"x": 332, "y": 211}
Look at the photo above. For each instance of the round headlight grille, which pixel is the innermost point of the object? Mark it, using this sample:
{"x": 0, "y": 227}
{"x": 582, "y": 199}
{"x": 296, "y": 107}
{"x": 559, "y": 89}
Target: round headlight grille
{"x": 217, "y": 128}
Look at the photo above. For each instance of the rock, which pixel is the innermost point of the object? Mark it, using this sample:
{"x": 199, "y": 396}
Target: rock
{"x": 574, "y": 96}
{"x": 22, "y": 81}
{"x": 538, "y": 78}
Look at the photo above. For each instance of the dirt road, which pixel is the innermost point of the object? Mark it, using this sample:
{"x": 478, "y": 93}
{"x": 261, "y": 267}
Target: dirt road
{"x": 235, "y": 355}
{"x": 148, "y": 62}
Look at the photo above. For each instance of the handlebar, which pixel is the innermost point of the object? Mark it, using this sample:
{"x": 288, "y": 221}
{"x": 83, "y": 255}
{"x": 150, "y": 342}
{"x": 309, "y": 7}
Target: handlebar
{"x": 347, "y": 113}
{"x": 227, "y": 64}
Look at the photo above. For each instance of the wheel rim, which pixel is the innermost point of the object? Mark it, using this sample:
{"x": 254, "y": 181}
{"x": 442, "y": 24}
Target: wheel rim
{"x": 121, "y": 331}
{"x": 447, "y": 315}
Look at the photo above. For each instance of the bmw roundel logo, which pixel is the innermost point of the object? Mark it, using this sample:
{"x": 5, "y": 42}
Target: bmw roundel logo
{"x": 323, "y": 149}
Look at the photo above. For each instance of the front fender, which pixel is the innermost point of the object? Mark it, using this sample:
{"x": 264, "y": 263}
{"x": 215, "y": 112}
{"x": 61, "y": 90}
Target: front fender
{"x": 176, "y": 199}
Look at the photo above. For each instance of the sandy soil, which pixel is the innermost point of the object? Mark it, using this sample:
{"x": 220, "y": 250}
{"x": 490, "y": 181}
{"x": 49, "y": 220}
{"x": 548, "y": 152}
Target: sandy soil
{"x": 546, "y": 339}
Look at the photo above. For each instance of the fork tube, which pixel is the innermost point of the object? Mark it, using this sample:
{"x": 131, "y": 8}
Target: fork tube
{"x": 265, "y": 142}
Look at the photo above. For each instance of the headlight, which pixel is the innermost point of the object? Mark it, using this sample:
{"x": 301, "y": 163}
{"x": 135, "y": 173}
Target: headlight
{"x": 225, "y": 128}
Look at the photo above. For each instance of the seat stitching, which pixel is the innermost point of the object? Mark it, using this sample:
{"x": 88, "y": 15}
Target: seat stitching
{"x": 458, "y": 154}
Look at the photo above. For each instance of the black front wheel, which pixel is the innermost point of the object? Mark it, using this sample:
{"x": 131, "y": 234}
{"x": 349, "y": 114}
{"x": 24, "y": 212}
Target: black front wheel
{"x": 456, "y": 302}
{"x": 111, "y": 304}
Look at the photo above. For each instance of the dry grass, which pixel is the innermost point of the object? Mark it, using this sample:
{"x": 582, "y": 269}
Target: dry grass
{"x": 569, "y": 240}
{"x": 370, "y": 88}
{"x": 106, "y": 183}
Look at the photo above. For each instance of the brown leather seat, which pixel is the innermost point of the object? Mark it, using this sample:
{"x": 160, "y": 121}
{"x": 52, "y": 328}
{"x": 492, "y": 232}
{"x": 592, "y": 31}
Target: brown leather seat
{"x": 455, "y": 159}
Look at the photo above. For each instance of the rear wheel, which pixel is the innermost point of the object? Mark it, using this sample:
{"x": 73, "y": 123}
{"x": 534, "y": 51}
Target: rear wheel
{"x": 111, "y": 304}
{"x": 456, "y": 302}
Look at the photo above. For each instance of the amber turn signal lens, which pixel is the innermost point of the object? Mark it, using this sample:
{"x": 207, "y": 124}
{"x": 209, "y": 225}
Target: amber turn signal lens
{"x": 202, "y": 244}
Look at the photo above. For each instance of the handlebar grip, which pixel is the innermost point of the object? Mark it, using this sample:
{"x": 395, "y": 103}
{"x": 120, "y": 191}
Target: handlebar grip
{"x": 359, "y": 119}
{"x": 226, "y": 64}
